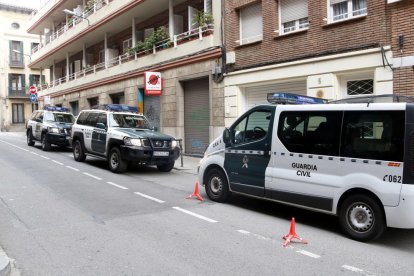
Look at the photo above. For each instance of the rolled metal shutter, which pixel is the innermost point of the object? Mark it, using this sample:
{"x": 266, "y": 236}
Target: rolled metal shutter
{"x": 196, "y": 116}
{"x": 152, "y": 110}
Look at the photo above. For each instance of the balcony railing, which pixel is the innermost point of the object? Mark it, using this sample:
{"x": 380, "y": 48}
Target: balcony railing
{"x": 16, "y": 63}
{"x": 179, "y": 39}
{"x": 19, "y": 92}
{"x": 70, "y": 24}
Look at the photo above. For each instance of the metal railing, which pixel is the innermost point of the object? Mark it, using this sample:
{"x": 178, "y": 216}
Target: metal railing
{"x": 18, "y": 92}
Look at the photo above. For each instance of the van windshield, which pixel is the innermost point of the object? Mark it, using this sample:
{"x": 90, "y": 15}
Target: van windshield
{"x": 129, "y": 121}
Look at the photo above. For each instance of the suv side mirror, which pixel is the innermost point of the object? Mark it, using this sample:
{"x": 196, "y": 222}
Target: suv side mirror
{"x": 100, "y": 126}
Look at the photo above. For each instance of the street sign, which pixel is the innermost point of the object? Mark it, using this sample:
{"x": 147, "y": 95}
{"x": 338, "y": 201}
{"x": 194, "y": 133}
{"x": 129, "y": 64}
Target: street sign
{"x": 33, "y": 97}
{"x": 33, "y": 89}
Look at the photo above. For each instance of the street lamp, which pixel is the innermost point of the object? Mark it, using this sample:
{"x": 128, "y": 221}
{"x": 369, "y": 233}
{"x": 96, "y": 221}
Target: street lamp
{"x": 30, "y": 58}
{"x": 68, "y": 12}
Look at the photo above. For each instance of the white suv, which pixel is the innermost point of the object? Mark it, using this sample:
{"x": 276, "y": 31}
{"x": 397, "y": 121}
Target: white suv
{"x": 120, "y": 135}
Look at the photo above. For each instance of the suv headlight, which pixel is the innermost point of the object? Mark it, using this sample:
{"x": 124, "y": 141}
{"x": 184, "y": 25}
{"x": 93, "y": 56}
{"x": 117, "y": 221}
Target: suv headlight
{"x": 174, "y": 143}
{"x": 133, "y": 142}
{"x": 53, "y": 130}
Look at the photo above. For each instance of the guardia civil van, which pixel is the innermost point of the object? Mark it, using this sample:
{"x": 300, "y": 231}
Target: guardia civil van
{"x": 352, "y": 160}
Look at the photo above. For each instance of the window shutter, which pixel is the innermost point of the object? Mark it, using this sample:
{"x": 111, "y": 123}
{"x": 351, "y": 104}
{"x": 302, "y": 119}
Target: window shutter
{"x": 10, "y": 82}
{"x": 291, "y": 10}
{"x": 23, "y": 80}
{"x": 251, "y": 23}
{"x": 30, "y": 79}
{"x": 42, "y": 80}
{"x": 10, "y": 51}
{"x": 333, "y": 2}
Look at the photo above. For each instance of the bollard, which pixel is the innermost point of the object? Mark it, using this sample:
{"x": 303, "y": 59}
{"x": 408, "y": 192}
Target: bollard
{"x": 181, "y": 150}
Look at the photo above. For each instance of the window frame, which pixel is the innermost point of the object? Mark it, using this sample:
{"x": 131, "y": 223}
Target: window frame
{"x": 298, "y": 27}
{"x": 20, "y": 117}
{"x": 250, "y": 39}
{"x": 349, "y": 15}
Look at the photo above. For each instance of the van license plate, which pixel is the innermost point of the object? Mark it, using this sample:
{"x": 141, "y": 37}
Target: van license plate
{"x": 161, "y": 153}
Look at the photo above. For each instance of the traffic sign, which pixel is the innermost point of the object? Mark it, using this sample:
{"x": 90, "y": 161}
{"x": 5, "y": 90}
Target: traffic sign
{"x": 33, "y": 89}
{"x": 33, "y": 97}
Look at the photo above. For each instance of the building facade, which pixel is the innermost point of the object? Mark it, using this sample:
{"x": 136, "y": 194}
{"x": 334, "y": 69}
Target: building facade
{"x": 332, "y": 49}
{"x": 15, "y": 75}
{"x": 99, "y": 50}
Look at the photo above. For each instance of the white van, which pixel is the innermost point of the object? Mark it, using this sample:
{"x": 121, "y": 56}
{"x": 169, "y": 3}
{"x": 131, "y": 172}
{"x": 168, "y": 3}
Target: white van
{"x": 353, "y": 160}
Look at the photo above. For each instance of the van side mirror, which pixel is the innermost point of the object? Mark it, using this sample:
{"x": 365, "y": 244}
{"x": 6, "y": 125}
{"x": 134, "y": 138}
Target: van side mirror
{"x": 226, "y": 136}
{"x": 100, "y": 126}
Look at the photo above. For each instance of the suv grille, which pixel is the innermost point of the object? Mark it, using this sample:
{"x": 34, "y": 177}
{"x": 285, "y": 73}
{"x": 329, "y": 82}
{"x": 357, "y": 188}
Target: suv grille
{"x": 66, "y": 131}
{"x": 161, "y": 144}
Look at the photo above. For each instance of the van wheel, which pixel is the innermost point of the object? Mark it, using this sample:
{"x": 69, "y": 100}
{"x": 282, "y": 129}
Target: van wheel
{"x": 166, "y": 167}
{"x": 78, "y": 153}
{"x": 217, "y": 188}
{"x": 116, "y": 164}
{"x": 29, "y": 135}
{"x": 45, "y": 144}
{"x": 361, "y": 218}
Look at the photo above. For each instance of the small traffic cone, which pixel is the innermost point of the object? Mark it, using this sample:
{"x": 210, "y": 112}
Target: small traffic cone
{"x": 196, "y": 194}
{"x": 292, "y": 234}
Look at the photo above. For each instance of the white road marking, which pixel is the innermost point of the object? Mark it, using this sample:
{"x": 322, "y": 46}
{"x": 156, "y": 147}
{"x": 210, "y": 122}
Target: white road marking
{"x": 357, "y": 270}
{"x": 116, "y": 185}
{"x": 195, "y": 215}
{"x": 93, "y": 176}
{"x": 309, "y": 254}
{"x": 244, "y": 232}
{"x": 34, "y": 153}
{"x": 44, "y": 157}
{"x": 14, "y": 145}
{"x": 72, "y": 168}
{"x": 150, "y": 197}
{"x": 57, "y": 162}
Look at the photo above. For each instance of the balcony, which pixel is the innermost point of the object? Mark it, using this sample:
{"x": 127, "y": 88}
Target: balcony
{"x": 181, "y": 45}
{"x": 18, "y": 92}
{"x": 16, "y": 63}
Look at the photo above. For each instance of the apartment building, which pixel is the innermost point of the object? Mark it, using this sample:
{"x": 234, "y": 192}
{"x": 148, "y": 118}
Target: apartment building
{"x": 15, "y": 75}
{"x": 332, "y": 49}
{"x": 98, "y": 52}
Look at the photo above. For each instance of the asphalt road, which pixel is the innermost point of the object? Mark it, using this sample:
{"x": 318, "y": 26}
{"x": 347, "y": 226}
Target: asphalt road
{"x": 61, "y": 217}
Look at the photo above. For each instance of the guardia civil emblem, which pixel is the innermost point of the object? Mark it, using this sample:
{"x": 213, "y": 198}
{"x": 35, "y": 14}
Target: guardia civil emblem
{"x": 245, "y": 161}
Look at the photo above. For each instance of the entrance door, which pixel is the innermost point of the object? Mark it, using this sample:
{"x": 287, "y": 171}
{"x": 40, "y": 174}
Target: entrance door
{"x": 247, "y": 154}
{"x": 152, "y": 110}
{"x": 196, "y": 116}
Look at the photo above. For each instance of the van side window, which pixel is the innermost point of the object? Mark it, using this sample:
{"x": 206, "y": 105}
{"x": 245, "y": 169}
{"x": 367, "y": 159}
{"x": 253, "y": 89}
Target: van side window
{"x": 252, "y": 127}
{"x": 311, "y": 132}
{"x": 375, "y": 135}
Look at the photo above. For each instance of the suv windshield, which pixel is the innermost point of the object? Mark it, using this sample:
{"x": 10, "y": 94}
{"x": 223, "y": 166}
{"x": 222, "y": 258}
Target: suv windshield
{"x": 59, "y": 117}
{"x": 129, "y": 121}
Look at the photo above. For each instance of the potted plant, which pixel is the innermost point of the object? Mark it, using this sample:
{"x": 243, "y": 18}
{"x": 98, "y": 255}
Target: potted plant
{"x": 202, "y": 19}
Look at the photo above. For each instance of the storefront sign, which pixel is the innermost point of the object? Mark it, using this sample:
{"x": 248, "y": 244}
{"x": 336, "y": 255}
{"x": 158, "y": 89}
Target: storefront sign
{"x": 153, "y": 83}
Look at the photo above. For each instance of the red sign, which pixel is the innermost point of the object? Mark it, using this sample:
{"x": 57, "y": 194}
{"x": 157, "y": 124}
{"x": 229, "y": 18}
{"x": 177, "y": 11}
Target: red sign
{"x": 153, "y": 83}
{"x": 33, "y": 89}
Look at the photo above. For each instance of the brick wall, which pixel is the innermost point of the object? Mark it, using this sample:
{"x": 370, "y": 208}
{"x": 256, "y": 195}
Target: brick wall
{"x": 320, "y": 39}
{"x": 402, "y": 22}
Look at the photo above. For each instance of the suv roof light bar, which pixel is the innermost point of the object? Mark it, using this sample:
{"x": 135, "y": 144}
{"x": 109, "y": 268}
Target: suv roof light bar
{"x": 290, "y": 98}
{"x": 117, "y": 107}
{"x": 390, "y": 98}
{"x": 56, "y": 108}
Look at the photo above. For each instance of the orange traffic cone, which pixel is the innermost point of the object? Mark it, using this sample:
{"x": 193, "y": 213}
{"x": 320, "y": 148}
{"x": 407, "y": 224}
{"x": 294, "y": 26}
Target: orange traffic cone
{"x": 292, "y": 234}
{"x": 196, "y": 194}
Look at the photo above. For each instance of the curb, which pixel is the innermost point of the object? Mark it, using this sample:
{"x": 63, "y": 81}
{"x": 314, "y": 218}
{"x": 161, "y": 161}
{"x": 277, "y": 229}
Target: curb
{"x": 4, "y": 263}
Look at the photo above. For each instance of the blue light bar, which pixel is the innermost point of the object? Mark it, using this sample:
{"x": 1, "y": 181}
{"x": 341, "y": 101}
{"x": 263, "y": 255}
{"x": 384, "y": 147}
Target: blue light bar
{"x": 289, "y": 98}
{"x": 56, "y": 108}
{"x": 117, "y": 107}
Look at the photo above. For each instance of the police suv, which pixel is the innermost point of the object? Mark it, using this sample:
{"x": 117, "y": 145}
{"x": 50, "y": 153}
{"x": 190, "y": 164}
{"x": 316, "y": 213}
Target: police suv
{"x": 353, "y": 160}
{"x": 120, "y": 135}
{"x": 51, "y": 126}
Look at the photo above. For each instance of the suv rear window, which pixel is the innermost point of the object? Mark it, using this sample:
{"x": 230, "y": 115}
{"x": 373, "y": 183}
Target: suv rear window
{"x": 82, "y": 118}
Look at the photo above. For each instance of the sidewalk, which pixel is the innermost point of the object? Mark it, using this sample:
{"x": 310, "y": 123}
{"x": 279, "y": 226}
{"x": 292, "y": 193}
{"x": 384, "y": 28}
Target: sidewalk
{"x": 4, "y": 263}
{"x": 189, "y": 164}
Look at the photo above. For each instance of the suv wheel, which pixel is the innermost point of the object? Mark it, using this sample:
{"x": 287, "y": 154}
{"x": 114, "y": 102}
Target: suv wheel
{"x": 29, "y": 135}
{"x": 166, "y": 167}
{"x": 45, "y": 144}
{"x": 116, "y": 163}
{"x": 78, "y": 153}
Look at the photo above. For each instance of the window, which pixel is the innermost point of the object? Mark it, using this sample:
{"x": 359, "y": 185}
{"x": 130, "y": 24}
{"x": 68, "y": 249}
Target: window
{"x": 75, "y": 107}
{"x": 16, "y": 85}
{"x": 253, "y": 127}
{"x": 16, "y": 53}
{"x": 375, "y": 135}
{"x": 311, "y": 132}
{"x": 92, "y": 119}
{"x": 251, "y": 26}
{"x": 293, "y": 15}
{"x": 126, "y": 44}
{"x": 93, "y": 101}
{"x": 360, "y": 87}
{"x": 345, "y": 9}
{"x": 18, "y": 113}
{"x": 82, "y": 118}
{"x": 34, "y": 80}
{"x": 33, "y": 45}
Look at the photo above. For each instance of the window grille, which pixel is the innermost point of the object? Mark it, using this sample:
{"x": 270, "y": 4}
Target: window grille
{"x": 360, "y": 87}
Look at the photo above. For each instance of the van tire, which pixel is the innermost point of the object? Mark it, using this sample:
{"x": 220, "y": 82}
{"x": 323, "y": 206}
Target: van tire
{"x": 78, "y": 153}
{"x": 115, "y": 161}
{"x": 217, "y": 187}
{"x": 361, "y": 218}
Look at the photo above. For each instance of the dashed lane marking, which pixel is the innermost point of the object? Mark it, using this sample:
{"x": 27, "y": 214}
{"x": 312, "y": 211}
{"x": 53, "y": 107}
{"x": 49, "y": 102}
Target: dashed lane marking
{"x": 247, "y": 233}
{"x": 357, "y": 270}
{"x": 149, "y": 197}
{"x": 116, "y": 185}
{"x": 309, "y": 254}
{"x": 195, "y": 215}
{"x": 57, "y": 162}
{"x": 93, "y": 176}
{"x": 72, "y": 168}
{"x": 44, "y": 157}
{"x": 34, "y": 153}
{"x": 14, "y": 145}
